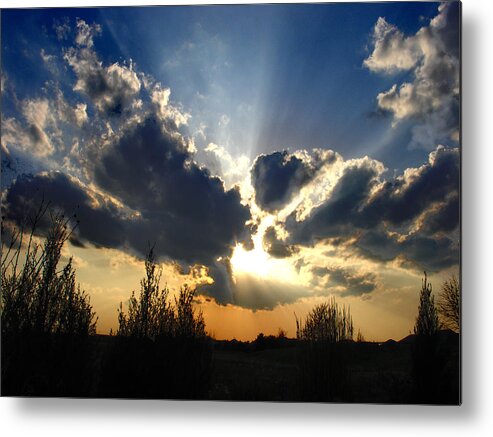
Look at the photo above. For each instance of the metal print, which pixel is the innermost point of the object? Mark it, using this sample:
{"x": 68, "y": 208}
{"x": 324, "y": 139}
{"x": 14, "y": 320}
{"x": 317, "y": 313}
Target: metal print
{"x": 236, "y": 202}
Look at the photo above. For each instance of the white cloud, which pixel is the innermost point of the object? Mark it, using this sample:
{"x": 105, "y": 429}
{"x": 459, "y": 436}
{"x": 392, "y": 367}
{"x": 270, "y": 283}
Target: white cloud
{"x": 392, "y": 50}
{"x": 113, "y": 88}
{"x": 86, "y": 33}
{"x": 160, "y": 99}
{"x": 432, "y": 54}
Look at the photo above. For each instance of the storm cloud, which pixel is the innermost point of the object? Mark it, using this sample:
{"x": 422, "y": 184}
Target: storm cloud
{"x": 99, "y": 220}
{"x": 353, "y": 284}
{"x": 424, "y": 252}
{"x": 275, "y": 246}
{"x": 279, "y": 176}
{"x": 421, "y": 206}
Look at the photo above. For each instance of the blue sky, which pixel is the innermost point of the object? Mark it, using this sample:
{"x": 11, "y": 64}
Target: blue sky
{"x": 275, "y": 154}
{"x": 286, "y": 76}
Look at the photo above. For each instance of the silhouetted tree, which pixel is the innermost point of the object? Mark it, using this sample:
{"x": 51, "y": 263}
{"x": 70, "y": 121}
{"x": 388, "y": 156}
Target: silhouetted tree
{"x": 326, "y": 322}
{"x": 425, "y": 355}
{"x": 427, "y": 323}
{"x": 360, "y": 338}
{"x": 449, "y": 304}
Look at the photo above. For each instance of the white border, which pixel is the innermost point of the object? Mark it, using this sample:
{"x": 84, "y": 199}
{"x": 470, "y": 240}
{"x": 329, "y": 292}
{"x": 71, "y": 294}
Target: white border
{"x": 141, "y": 418}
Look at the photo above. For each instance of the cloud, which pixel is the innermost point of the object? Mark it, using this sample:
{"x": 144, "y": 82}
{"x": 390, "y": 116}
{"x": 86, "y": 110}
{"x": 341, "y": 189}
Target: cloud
{"x": 160, "y": 98}
{"x": 3, "y": 82}
{"x": 405, "y": 197}
{"x": 400, "y": 216}
{"x": 279, "y": 176}
{"x": 340, "y": 213}
{"x": 111, "y": 88}
{"x": 249, "y": 291}
{"x": 234, "y": 170}
{"x": 275, "y": 246}
{"x": 186, "y": 210}
{"x": 31, "y": 137}
{"x": 392, "y": 51}
{"x": 86, "y": 33}
{"x": 62, "y": 29}
{"x": 428, "y": 253}
{"x": 432, "y": 55}
{"x": 443, "y": 217}
{"x": 352, "y": 284}
{"x": 39, "y": 133}
{"x": 76, "y": 115}
{"x": 100, "y": 219}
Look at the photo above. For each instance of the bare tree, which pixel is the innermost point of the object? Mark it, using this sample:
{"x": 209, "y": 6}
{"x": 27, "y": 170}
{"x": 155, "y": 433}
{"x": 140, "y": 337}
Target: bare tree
{"x": 323, "y": 354}
{"x": 449, "y": 304}
{"x": 326, "y": 322}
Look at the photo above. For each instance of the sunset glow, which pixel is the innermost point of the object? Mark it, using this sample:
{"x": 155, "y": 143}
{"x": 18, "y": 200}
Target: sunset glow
{"x": 273, "y": 156}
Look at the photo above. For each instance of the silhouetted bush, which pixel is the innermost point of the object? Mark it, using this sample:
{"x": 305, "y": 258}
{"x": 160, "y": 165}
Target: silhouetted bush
{"x": 324, "y": 361}
{"x": 149, "y": 316}
{"x": 45, "y": 316}
{"x": 161, "y": 350}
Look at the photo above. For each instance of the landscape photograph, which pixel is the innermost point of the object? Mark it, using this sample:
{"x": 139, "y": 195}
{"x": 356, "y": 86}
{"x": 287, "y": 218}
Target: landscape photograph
{"x": 256, "y": 202}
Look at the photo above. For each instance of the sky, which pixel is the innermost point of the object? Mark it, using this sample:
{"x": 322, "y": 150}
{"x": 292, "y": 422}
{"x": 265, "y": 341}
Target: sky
{"x": 274, "y": 155}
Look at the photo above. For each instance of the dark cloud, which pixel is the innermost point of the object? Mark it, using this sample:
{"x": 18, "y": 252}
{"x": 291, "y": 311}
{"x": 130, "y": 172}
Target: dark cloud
{"x": 340, "y": 213}
{"x": 424, "y": 198}
{"x": 402, "y": 199}
{"x": 100, "y": 222}
{"x": 443, "y": 218}
{"x": 278, "y": 177}
{"x": 429, "y": 253}
{"x": 184, "y": 209}
{"x": 354, "y": 284}
{"x": 275, "y": 246}
{"x": 167, "y": 200}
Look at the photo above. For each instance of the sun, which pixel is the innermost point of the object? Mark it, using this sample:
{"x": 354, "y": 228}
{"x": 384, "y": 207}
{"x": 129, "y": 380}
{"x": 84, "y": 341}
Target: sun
{"x": 257, "y": 262}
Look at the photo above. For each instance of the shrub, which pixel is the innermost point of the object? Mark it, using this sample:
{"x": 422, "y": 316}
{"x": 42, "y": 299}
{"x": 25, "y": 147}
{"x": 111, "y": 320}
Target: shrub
{"x": 45, "y": 315}
{"x": 323, "y": 358}
{"x": 37, "y": 296}
{"x": 326, "y": 322}
{"x": 161, "y": 349}
{"x": 150, "y": 315}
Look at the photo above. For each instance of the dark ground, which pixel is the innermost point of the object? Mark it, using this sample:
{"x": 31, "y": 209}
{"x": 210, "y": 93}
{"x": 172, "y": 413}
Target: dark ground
{"x": 269, "y": 370}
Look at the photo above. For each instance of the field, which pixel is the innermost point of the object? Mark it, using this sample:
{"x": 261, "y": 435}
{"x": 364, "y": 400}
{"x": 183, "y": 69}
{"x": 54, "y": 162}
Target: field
{"x": 270, "y": 370}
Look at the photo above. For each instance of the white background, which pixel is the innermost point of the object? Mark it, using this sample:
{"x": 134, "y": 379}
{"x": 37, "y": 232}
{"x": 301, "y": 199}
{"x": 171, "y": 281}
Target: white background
{"x": 120, "y": 418}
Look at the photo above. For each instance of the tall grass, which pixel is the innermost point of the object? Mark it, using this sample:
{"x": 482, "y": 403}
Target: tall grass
{"x": 45, "y": 315}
